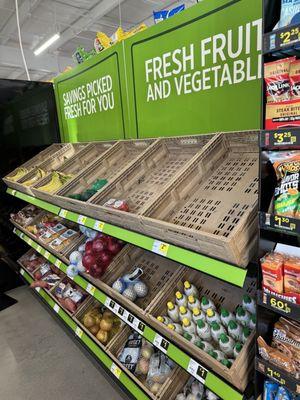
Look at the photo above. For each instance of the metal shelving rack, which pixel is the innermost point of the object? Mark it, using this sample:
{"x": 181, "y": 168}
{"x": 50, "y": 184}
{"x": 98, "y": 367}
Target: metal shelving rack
{"x": 274, "y": 228}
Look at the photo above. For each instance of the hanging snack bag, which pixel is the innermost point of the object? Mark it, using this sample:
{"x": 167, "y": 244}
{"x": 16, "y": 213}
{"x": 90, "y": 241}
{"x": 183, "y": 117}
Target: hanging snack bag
{"x": 289, "y": 14}
{"x": 277, "y": 80}
{"x": 291, "y": 270}
{"x": 286, "y": 195}
{"x": 295, "y": 79}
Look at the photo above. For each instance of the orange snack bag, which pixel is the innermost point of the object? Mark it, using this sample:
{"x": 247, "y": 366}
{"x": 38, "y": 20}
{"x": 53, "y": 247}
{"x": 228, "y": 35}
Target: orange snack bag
{"x": 292, "y": 275}
{"x": 272, "y": 271}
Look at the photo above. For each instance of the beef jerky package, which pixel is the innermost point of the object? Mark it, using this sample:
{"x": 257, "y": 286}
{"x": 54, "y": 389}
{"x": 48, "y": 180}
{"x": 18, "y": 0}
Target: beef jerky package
{"x": 277, "y": 80}
{"x": 286, "y": 338}
{"x": 284, "y": 114}
{"x": 295, "y": 79}
{"x": 286, "y": 195}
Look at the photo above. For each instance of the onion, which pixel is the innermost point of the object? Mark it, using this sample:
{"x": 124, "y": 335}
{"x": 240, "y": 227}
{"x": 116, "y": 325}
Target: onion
{"x": 99, "y": 245}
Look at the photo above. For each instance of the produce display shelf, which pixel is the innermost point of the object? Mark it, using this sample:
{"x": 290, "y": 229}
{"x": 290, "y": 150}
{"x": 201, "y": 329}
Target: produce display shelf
{"x": 213, "y": 382}
{"x": 279, "y": 224}
{"x": 216, "y": 268}
{"x": 282, "y": 41}
{"x": 278, "y": 375}
{"x": 276, "y": 304}
{"x": 122, "y": 377}
{"x": 280, "y": 139}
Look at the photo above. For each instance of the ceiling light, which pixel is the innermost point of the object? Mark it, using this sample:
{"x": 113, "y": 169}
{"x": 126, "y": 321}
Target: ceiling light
{"x": 48, "y": 43}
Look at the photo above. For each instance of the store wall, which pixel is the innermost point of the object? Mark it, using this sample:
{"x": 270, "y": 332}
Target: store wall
{"x": 199, "y": 71}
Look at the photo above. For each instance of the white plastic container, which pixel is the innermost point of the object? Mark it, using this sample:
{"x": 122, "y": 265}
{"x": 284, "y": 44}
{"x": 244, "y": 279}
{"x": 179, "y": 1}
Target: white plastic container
{"x": 188, "y": 326}
{"x": 173, "y": 311}
{"x": 181, "y": 299}
{"x": 164, "y": 319}
{"x": 242, "y": 316}
{"x": 203, "y": 330}
{"x": 190, "y": 289}
{"x": 216, "y": 331}
{"x": 237, "y": 349}
{"x": 249, "y": 304}
{"x": 235, "y": 330}
{"x": 206, "y": 303}
{"x": 176, "y": 328}
{"x": 226, "y": 316}
{"x": 212, "y": 316}
{"x": 184, "y": 313}
{"x": 198, "y": 314}
{"x": 193, "y": 302}
{"x": 226, "y": 344}
{"x": 245, "y": 334}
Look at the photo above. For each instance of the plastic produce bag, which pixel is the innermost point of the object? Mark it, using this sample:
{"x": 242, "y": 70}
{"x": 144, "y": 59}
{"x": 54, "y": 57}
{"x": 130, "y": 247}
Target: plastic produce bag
{"x": 165, "y": 14}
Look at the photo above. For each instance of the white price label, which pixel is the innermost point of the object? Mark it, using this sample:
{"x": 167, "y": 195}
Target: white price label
{"x": 38, "y": 249}
{"x": 56, "y": 308}
{"x": 63, "y": 213}
{"x": 47, "y": 254}
{"x": 91, "y": 289}
{"x": 160, "y": 248}
{"x": 22, "y": 272}
{"x": 13, "y": 192}
{"x": 29, "y": 242}
{"x": 161, "y": 343}
{"x": 38, "y": 289}
{"x": 139, "y": 326}
{"x": 15, "y": 230}
{"x": 197, "y": 371}
{"x": 115, "y": 370}
{"x": 107, "y": 302}
{"x": 99, "y": 226}
{"x": 81, "y": 219}
{"x": 78, "y": 332}
{"x": 57, "y": 263}
{"x": 22, "y": 235}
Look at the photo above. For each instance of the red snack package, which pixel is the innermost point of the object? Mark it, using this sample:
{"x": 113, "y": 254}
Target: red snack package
{"x": 277, "y": 80}
{"x": 291, "y": 270}
{"x": 295, "y": 79}
{"x": 284, "y": 114}
{"x": 120, "y": 205}
{"x": 272, "y": 271}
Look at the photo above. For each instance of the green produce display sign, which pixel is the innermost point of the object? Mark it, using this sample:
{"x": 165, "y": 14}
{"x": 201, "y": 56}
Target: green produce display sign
{"x": 197, "y": 72}
{"x": 89, "y": 98}
{"x": 201, "y": 73}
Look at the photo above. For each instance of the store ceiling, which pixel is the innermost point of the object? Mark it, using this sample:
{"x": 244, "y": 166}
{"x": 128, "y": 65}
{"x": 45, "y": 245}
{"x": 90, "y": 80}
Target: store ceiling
{"x": 77, "y": 21}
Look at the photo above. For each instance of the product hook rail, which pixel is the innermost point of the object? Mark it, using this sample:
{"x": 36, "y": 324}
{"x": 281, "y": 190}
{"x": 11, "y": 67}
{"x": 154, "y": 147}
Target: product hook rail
{"x": 223, "y": 389}
{"x": 216, "y": 268}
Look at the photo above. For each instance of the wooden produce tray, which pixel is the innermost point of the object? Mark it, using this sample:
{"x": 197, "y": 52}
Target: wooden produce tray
{"x": 115, "y": 348}
{"x": 144, "y": 180}
{"x": 222, "y": 294}
{"x": 73, "y": 166}
{"x": 35, "y": 161}
{"x": 107, "y": 166}
{"x": 78, "y": 317}
{"x": 159, "y": 274}
{"x": 211, "y": 207}
{"x": 21, "y": 260}
{"x": 50, "y": 164}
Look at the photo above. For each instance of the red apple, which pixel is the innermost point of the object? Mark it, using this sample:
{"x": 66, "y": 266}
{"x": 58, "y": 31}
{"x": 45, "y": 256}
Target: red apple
{"x": 88, "y": 260}
{"x": 99, "y": 245}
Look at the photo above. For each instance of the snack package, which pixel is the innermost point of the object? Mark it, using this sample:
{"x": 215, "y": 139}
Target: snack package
{"x": 131, "y": 352}
{"x": 295, "y": 79}
{"x": 102, "y": 42}
{"x": 53, "y": 232}
{"x": 287, "y": 169}
{"x": 165, "y": 14}
{"x": 291, "y": 270}
{"x": 192, "y": 388}
{"x": 270, "y": 390}
{"x": 289, "y": 14}
{"x": 284, "y": 114}
{"x": 277, "y": 80}
{"x": 283, "y": 394}
{"x": 160, "y": 368}
{"x": 275, "y": 356}
{"x": 272, "y": 271}
{"x": 63, "y": 240}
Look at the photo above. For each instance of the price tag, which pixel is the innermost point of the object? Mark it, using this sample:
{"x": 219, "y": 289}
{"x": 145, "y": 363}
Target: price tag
{"x": 284, "y": 223}
{"x": 22, "y": 272}
{"x": 90, "y": 289}
{"x": 116, "y": 370}
{"x": 197, "y": 371}
{"x": 56, "y": 308}
{"x": 78, "y": 332}
{"x": 39, "y": 249}
{"x": 38, "y": 289}
{"x": 22, "y": 235}
{"x": 138, "y": 326}
{"x": 109, "y": 303}
{"x": 275, "y": 375}
{"x": 81, "y": 219}
{"x": 289, "y": 35}
{"x": 29, "y": 241}
{"x": 57, "y": 263}
{"x": 160, "y": 248}
{"x": 13, "y": 192}
{"x": 161, "y": 343}
{"x": 47, "y": 255}
{"x": 280, "y": 138}
{"x": 14, "y": 230}
{"x": 279, "y": 305}
{"x": 99, "y": 226}
{"x": 63, "y": 213}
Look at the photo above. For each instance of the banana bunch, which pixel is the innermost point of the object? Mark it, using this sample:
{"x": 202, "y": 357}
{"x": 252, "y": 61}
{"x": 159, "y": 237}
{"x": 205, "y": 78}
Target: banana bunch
{"x": 58, "y": 179}
{"x": 39, "y": 174}
{"x": 20, "y": 172}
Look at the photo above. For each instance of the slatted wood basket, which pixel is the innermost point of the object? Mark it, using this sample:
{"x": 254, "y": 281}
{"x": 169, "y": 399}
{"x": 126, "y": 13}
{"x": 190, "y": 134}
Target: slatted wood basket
{"x": 73, "y": 166}
{"x": 158, "y": 274}
{"x": 212, "y": 207}
{"x": 144, "y": 180}
{"x": 50, "y": 164}
{"x": 107, "y": 166}
{"x": 223, "y": 295}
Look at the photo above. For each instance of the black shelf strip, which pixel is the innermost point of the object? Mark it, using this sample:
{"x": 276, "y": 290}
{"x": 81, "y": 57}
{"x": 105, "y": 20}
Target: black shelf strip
{"x": 282, "y": 41}
{"x": 278, "y": 304}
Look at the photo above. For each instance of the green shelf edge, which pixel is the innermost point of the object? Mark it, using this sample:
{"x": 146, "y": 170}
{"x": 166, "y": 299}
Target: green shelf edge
{"x": 99, "y": 353}
{"x": 212, "y": 382}
{"x": 208, "y": 265}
